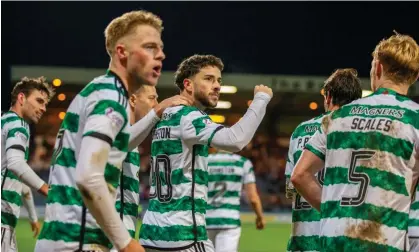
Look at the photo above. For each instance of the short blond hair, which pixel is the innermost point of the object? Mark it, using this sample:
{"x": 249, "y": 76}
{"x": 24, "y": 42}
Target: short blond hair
{"x": 125, "y": 24}
{"x": 399, "y": 56}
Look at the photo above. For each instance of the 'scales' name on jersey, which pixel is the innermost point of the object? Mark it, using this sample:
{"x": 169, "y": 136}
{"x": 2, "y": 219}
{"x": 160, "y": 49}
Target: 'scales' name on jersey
{"x": 223, "y": 170}
{"x": 161, "y": 133}
{"x": 371, "y": 124}
{"x": 360, "y": 110}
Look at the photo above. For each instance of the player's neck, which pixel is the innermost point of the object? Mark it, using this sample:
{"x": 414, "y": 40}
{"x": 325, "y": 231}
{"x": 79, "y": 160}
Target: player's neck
{"x": 121, "y": 72}
{"x": 17, "y": 110}
{"x": 398, "y": 88}
{"x": 195, "y": 102}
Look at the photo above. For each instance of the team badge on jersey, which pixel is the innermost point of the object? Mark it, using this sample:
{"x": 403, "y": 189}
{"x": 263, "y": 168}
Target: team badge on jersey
{"x": 21, "y": 136}
{"x": 117, "y": 119}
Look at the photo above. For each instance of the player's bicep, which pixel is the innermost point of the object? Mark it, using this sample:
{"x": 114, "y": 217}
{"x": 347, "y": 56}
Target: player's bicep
{"x": 17, "y": 138}
{"x": 105, "y": 120}
{"x": 198, "y": 128}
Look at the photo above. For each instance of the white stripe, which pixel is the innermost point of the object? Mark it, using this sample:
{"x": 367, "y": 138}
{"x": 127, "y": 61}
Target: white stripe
{"x": 165, "y": 244}
{"x": 233, "y": 201}
{"x": 363, "y": 230}
{"x": 130, "y": 222}
{"x": 62, "y": 175}
{"x": 387, "y": 100}
{"x": 375, "y": 196}
{"x": 413, "y": 231}
{"x": 306, "y": 228}
{"x": 167, "y": 219}
{"x": 414, "y": 214}
{"x": 182, "y": 190}
{"x": 11, "y": 208}
{"x": 53, "y": 246}
{"x": 225, "y": 170}
{"x": 223, "y": 213}
{"x": 129, "y": 196}
{"x": 231, "y": 186}
{"x": 68, "y": 214}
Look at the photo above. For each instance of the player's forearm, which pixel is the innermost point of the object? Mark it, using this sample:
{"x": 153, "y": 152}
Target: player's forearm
{"x": 141, "y": 129}
{"x": 29, "y": 203}
{"x": 17, "y": 164}
{"x": 308, "y": 187}
{"x": 256, "y": 206}
{"x": 91, "y": 182}
{"x": 239, "y": 135}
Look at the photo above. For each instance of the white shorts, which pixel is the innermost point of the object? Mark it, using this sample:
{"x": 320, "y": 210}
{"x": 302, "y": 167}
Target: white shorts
{"x": 61, "y": 246}
{"x": 225, "y": 240}
{"x": 8, "y": 239}
{"x": 414, "y": 244}
{"x": 204, "y": 246}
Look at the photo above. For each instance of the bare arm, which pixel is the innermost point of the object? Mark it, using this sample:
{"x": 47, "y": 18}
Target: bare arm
{"x": 304, "y": 180}
{"x": 253, "y": 197}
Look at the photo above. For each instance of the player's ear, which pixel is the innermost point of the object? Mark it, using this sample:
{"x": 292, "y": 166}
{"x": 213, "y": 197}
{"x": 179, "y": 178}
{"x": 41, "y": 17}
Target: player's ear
{"x": 187, "y": 84}
{"x": 132, "y": 101}
{"x": 121, "y": 52}
{"x": 21, "y": 98}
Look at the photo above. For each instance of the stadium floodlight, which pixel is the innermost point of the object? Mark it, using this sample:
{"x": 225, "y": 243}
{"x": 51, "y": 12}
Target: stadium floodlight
{"x": 61, "y": 115}
{"x": 217, "y": 118}
{"x": 223, "y": 105}
{"x": 56, "y": 82}
{"x": 313, "y": 105}
{"x": 366, "y": 92}
{"x": 228, "y": 89}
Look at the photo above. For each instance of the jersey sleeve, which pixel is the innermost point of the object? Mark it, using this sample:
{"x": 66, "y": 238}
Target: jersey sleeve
{"x": 106, "y": 117}
{"x": 289, "y": 167}
{"x": 198, "y": 128}
{"x": 249, "y": 174}
{"x": 17, "y": 137}
{"x": 317, "y": 144}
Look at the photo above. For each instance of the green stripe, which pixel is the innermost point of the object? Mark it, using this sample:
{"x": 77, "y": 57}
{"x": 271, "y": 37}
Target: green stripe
{"x": 238, "y": 164}
{"x": 227, "y": 194}
{"x": 71, "y": 122}
{"x": 224, "y": 206}
{"x": 382, "y": 215}
{"x": 222, "y": 221}
{"x": 370, "y": 140}
{"x": 339, "y": 175}
{"x": 315, "y": 151}
{"x": 297, "y": 155}
{"x": 129, "y": 208}
{"x": 342, "y": 243}
{"x": 112, "y": 175}
{"x": 69, "y": 232}
{"x": 64, "y": 195}
{"x": 13, "y": 131}
{"x": 201, "y": 150}
{"x": 413, "y": 223}
{"x": 307, "y": 129}
{"x": 168, "y": 147}
{"x": 67, "y": 158}
{"x": 415, "y": 206}
{"x": 178, "y": 177}
{"x": 172, "y": 233}
{"x": 133, "y": 158}
{"x": 130, "y": 184}
{"x": 182, "y": 204}
{"x": 9, "y": 119}
{"x": 121, "y": 143}
{"x": 360, "y": 110}
{"x": 174, "y": 120}
{"x": 223, "y": 177}
{"x": 198, "y": 123}
{"x": 92, "y": 87}
{"x": 305, "y": 215}
{"x": 304, "y": 243}
{"x": 11, "y": 175}
{"x": 398, "y": 97}
{"x": 8, "y": 219}
{"x": 103, "y": 107}
{"x": 11, "y": 197}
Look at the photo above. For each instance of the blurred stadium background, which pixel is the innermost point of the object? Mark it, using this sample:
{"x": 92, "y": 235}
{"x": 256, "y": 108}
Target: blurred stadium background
{"x": 292, "y": 47}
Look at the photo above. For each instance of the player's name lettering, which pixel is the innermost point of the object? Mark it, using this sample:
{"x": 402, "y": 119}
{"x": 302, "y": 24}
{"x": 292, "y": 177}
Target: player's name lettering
{"x": 302, "y": 143}
{"x": 311, "y": 128}
{"x": 359, "y": 110}
{"x": 223, "y": 170}
{"x": 161, "y": 133}
{"x": 371, "y": 124}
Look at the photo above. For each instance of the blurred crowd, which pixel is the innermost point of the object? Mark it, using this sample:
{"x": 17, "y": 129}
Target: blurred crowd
{"x": 267, "y": 154}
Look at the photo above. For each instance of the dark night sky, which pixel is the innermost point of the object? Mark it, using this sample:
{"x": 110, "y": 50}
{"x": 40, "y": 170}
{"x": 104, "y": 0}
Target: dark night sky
{"x": 309, "y": 38}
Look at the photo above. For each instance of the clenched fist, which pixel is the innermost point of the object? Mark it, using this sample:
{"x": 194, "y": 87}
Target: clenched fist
{"x": 264, "y": 89}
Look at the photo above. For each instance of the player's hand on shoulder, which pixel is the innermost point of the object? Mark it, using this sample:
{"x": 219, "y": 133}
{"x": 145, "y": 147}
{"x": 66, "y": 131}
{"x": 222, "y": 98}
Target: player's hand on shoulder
{"x": 171, "y": 102}
{"x": 133, "y": 246}
{"x": 264, "y": 89}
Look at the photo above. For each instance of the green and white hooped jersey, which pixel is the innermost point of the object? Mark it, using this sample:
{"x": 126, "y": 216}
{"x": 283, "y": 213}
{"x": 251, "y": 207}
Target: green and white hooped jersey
{"x": 413, "y": 231}
{"x": 305, "y": 219}
{"x": 175, "y": 218}
{"x": 128, "y": 192}
{"x": 100, "y": 111}
{"x": 15, "y": 134}
{"x": 371, "y": 148}
{"x": 228, "y": 173}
